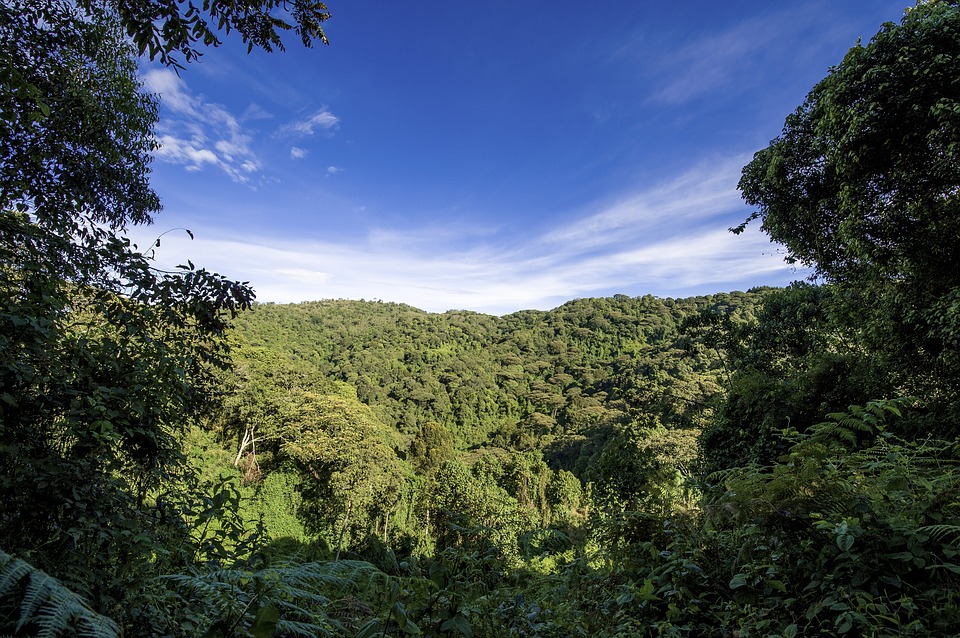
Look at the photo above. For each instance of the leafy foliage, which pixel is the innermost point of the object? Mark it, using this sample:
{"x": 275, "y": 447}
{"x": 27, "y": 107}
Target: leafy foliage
{"x": 164, "y": 28}
{"x": 103, "y": 359}
{"x": 34, "y": 603}
{"x": 296, "y": 599}
{"x": 536, "y": 474}
{"x": 356, "y": 475}
{"x": 836, "y": 539}
{"x": 551, "y": 377}
{"x": 863, "y": 185}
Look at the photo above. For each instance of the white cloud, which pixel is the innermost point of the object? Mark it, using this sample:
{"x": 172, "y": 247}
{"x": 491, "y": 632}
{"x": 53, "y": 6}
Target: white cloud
{"x": 321, "y": 120}
{"x": 178, "y": 151}
{"x": 255, "y": 112}
{"x": 304, "y": 276}
{"x": 677, "y": 67}
{"x": 172, "y": 90}
{"x": 484, "y": 280}
{"x": 710, "y": 63}
{"x": 701, "y": 192}
{"x": 298, "y": 153}
{"x": 196, "y": 133}
{"x": 647, "y": 245}
{"x": 333, "y": 170}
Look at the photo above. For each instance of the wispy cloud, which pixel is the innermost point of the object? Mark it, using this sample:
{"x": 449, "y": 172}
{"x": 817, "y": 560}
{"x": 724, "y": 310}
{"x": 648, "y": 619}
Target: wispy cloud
{"x": 701, "y": 192}
{"x": 322, "y": 120}
{"x": 465, "y": 267}
{"x": 333, "y": 170}
{"x": 196, "y": 133}
{"x": 298, "y": 153}
{"x": 678, "y": 67}
{"x": 255, "y": 112}
{"x": 710, "y": 63}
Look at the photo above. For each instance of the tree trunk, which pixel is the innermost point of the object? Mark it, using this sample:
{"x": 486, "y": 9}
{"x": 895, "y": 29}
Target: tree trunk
{"x": 248, "y": 439}
{"x": 343, "y": 529}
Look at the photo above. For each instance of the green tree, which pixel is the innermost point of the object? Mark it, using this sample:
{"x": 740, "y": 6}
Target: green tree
{"x": 526, "y": 477}
{"x": 432, "y": 446}
{"x": 468, "y": 509}
{"x": 351, "y": 472}
{"x": 566, "y": 498}
{"x": 644, "y": 468}
{"x": 103, "y": 359}
{"x": 798, "y": 360}
{"x": 164, "y": 28}
{"x": 863, "y": 186}
{"x": 259, "y": 388}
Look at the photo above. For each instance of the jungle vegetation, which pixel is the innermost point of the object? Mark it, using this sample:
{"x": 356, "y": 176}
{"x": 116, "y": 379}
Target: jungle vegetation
{"x": 177, "y": 460}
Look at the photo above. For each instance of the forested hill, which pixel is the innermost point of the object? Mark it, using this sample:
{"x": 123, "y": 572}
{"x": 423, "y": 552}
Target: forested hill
{"x": 368, "y": 469}
{"x": 524, "y": 379}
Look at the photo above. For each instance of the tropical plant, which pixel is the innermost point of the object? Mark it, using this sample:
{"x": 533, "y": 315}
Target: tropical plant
{"x": 103, "y": 358}
{"x": 285, "y": 599}
{"x": 862, "y": 185}
{"x": 36, "y": 604}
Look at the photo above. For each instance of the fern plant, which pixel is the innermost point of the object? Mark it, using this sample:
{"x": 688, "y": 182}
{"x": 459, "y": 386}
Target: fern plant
{"x": 859, "y": 426}
{"x": 36, "y": 604}
{"x": 849, "y": 525}
{"x": 285, "y": 600}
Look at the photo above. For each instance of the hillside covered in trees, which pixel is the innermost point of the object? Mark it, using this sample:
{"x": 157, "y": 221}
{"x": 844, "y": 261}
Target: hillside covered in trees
{"x": 545, "y": 402}
{"x": 477, "y": 373}
{"x": 176, "y": 460}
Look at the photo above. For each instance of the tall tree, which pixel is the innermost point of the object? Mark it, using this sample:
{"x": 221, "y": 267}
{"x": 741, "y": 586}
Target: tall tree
{"x": 863, "y": 185}
{"x": 352, "y": 474}
{"x": 103, "y": 358}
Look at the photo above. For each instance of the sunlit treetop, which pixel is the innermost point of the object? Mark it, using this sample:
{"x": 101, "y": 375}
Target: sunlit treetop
{"x": 865, "y": 176}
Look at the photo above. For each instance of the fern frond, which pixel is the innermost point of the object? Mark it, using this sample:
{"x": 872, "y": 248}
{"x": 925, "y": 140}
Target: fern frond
{"x": 34, "y": 597}
{"x": 939, "y": 532}
{"x": 51, "y": 620}
{"x": 290, "y": 608}
{"x": 305, "y": 594}
{"x": 95, "y": 626}
{"x": 47, "y": 606}
{"x": 11, "y": 572}
{"x": 307, "y": 629}
{"x": 302, "y": 593}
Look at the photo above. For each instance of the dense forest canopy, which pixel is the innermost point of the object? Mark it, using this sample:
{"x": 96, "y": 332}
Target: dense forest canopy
{"x": 474, "y": 373}
{"x": 177, "y": 461}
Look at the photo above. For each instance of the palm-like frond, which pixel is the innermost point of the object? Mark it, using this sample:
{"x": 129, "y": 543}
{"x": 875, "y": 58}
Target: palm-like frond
{"x": 47, "y": 608}
{"x": 941, "y": 532}
{"x": 303, "y": 594}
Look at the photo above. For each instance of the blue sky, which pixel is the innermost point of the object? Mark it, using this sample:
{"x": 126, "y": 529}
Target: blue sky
{"x": 494, "y": 156}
